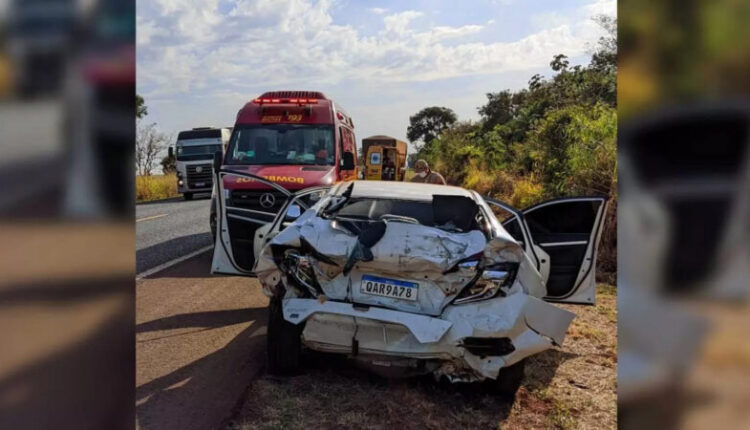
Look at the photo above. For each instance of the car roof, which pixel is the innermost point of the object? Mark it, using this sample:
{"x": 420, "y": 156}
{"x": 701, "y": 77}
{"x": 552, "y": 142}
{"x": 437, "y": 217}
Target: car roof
{"x": 401, "y": 190}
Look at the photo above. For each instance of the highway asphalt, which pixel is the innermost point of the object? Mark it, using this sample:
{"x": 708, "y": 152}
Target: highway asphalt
{"x": 200, "y": 338}
{"x": 200, "y": 342}
{"x": 169, "y": 229}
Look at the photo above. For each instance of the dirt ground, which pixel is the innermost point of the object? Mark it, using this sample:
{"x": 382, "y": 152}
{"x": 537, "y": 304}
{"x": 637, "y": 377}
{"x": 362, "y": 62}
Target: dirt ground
{"x": 564, "y": 388}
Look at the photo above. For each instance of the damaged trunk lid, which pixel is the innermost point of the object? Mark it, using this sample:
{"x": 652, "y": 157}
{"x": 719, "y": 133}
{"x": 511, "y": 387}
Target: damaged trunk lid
{"x": 409, "y": 256}
{"x": 412, "y": 268}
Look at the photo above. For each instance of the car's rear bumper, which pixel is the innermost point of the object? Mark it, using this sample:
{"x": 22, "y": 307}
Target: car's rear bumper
{"x": 528, "y": 323}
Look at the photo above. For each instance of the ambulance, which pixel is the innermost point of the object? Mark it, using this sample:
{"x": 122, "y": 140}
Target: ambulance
{"x": 291, "y": 140}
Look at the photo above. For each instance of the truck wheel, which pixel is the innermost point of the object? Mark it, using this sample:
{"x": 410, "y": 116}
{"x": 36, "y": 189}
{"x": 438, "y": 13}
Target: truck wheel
{"x": 188, "y": 196}
{"x": 283, "y": 343}
{"x": 509, "y": 380}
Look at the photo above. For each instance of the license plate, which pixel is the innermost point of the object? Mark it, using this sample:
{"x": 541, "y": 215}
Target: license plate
{"x": 393, "y": 288}
{"x": 200, "y": 184}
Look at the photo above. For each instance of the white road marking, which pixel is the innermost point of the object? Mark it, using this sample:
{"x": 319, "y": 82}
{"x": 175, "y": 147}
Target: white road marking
{"x": 171, "y": 263}
{"x": 151, "y": 217}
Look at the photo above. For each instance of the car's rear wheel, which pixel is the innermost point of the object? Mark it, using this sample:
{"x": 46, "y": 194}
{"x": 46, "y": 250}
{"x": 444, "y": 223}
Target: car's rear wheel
{"x": 283, "y": 341}
{"x": 188, "y": 196}
{"x": 509, "y": 380}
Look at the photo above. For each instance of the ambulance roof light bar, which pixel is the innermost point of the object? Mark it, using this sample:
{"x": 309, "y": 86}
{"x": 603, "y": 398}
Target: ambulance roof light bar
{"x": 297, "y": 101}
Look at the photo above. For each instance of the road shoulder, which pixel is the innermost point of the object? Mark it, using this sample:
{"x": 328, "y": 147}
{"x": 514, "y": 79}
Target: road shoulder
{"x": 199, "y": 343}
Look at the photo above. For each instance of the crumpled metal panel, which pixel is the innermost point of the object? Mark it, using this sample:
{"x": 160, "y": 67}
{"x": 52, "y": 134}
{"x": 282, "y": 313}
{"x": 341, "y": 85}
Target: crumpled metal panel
{"x": 406, "y": 251}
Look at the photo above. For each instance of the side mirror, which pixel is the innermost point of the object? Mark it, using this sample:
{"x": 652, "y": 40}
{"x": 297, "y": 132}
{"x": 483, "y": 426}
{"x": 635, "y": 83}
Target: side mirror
{"x": 293, "y": 212}
{"x": 217, "y": 161}
{"x": 348, "y": 159}
{"x": 170, "y": 152}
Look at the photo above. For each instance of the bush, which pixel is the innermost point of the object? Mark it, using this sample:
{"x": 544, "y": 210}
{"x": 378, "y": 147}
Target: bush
{"x": 568, "y": 151}
{"x": 479, "y": 180}
{"x": 155, "y": 187}
{"x": 526, "y": 192}
{"x": 574, "y": 150}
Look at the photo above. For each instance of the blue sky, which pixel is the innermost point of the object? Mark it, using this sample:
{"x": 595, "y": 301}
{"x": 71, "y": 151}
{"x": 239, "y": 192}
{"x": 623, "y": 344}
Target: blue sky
{"x": 199, "y": 61}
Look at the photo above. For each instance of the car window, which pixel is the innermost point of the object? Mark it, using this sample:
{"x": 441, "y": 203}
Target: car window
{"x": 421, "y": 211}
{"x": 514, "y": 229}
{"x": 375, "y": 208}
{"x": 569, "y": 218}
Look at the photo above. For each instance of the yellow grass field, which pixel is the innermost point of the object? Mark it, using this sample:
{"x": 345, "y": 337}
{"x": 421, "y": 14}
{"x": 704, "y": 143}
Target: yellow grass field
{"x": 155, "y": 187}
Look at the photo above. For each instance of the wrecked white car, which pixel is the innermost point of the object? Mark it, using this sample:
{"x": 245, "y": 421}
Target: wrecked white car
{"x": 415, "y": 278}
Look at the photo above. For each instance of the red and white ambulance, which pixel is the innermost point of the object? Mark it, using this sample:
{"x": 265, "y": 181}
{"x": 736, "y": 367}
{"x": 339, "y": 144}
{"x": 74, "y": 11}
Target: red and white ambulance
{"x": 285, "y": 141}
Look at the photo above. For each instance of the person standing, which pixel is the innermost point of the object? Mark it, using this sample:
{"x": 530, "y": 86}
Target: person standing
{"x": 425, "y": 175}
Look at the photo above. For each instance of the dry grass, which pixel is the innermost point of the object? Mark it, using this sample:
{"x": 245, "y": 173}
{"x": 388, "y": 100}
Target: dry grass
{"x": 155, "y": 187}
{"x": 564, "y": 388}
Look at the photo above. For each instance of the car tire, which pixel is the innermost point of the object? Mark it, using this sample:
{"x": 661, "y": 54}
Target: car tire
{"x": 283, "y": 342}
{"x": 188, "y": 196}
{"x": 509, "y": 380}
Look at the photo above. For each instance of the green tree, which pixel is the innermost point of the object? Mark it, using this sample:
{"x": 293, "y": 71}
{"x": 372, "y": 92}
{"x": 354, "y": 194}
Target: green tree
{"x": 501, "y": 107}
{"x": 168, "y": 164}
{"x": 574, "y": 150}
{"x": 605, "y": 55}
{"x": 141, "y": 109}
{"x": 556, "y": 137}
{"x": 427, "y": 124}
{"x": 559, "y": 62}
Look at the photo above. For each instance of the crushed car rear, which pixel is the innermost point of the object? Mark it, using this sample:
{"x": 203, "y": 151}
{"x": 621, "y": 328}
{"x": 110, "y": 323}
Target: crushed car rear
{"x": 416, "y": 283}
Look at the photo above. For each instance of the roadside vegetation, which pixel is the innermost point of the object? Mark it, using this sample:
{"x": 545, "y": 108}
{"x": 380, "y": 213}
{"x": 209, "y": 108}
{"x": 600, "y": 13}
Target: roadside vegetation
{"x": 572, "y": 387}
{"x": 555, "y": 138}
{"x": 150, "y": 143}
{"x": 155, "y": 187}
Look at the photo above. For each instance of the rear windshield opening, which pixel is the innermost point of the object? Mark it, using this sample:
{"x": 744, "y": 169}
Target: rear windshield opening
{"x": 374, "y": 209}
{"x": 427, "y": 213}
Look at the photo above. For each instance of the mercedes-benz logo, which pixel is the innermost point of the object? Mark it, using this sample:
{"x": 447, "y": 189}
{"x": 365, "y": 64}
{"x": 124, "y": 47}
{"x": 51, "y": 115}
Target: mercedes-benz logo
{"x": 267, "y": 200}
{"x": 198, "y": 169}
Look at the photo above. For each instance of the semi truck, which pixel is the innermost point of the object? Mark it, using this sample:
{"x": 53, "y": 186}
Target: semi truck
{"x": 289, "y": 141}
{"x": 194, "y": 152}
{"x": 384, "y": 158}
